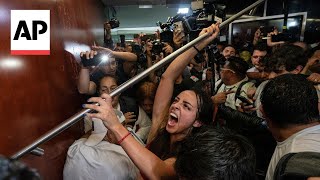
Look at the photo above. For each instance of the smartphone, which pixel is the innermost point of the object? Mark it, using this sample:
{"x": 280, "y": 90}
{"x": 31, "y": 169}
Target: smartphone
{"x": 244, "y": 100}
{"x": 96, "y": 60}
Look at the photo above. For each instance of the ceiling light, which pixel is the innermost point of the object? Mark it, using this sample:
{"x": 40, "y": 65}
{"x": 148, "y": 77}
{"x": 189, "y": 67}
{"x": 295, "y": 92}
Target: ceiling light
{"x": 183, "y": 10}
{"x": 292, "y": 24}
{"x": 145, "y": 6}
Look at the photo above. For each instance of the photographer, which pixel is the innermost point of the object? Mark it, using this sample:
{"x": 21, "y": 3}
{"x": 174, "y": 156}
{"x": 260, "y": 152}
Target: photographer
{"x": 270, "y": 42}
{"x": 108, "y": 42}
{"x": 233, "y": 79}
{"x": 156, "y": 51}
{"x": 88, "y": 79}
{"x": 113, "y": 23}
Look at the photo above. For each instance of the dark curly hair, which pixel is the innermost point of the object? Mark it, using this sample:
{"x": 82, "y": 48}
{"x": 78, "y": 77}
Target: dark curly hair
{"x": 288, "y": 56}
{"x": 290, "y": 99}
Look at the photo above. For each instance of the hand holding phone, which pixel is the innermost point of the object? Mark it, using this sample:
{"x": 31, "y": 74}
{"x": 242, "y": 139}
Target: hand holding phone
{"x": 244, "y": 100}
{"x": 96, "y": 60}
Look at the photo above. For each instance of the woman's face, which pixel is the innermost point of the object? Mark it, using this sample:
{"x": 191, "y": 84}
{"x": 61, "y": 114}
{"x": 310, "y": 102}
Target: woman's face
{"x": 110, "y": 67}
{"x": 147, "y": 105}
{"x": 182, "y": 113}
{"x": 107, "y": 85}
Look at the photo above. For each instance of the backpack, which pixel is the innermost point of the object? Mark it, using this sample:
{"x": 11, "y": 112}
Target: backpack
{"x": 296, "y": 166}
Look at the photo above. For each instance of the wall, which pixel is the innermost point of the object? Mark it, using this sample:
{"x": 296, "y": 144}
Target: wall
{"x": 39, "y": 92}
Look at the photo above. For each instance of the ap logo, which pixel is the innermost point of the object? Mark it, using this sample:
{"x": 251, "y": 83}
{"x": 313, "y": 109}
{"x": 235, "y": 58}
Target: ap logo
{"x": 30, "y": 32}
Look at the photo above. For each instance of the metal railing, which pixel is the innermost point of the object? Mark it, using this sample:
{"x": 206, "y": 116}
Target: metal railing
{"x": 77, "y": 117}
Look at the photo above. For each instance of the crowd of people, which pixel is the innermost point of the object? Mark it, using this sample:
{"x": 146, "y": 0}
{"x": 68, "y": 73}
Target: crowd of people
{"x": 201, "y": 117}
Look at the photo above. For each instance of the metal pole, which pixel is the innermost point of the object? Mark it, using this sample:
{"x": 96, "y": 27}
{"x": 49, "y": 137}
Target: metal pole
{"x": 236, "y": 16}
{"x": 265, "y": 8}
{"x": 37, "y": 151}
{"x": 77, "y": 117}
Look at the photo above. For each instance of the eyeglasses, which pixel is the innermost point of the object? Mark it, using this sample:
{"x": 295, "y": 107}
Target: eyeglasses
{"x": 227, "y": 69}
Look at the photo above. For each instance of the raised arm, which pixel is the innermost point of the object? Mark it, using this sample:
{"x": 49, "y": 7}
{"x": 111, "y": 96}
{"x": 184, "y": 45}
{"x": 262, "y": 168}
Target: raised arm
{"x": 85, "y": 86}
{"x": 152, "y": 75}
{"x": 165, "y": 88}
{"x": 127, "y": 56}
{"x": 147, "y": 162}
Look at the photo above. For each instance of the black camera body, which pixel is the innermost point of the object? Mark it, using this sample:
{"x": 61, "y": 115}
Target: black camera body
{"x": 114, "y": 23}
{"x": 266, "y": 29}
{"x": 166, "y": 34}
{"x": 204, "y": 17}
{"x": 244, "y": 100}
{"x": 95, "y": 61}
{"x": 142, "y": 59}
{"x": 287, "y": 37}
{"x": 157, "y": 47}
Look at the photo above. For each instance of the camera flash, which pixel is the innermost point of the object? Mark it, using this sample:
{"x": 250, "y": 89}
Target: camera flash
{"x": 104, "y": 59}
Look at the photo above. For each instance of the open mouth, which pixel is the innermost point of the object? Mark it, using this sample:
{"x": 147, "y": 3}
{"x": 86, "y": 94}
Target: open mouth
{"x": 173, "y": 119}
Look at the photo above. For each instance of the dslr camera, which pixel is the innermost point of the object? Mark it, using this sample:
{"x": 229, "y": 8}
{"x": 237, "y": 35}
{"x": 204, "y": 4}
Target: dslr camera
{"x": 157, "y": 47}
{"x": 114, "y": 23}
{"x": 166, "y": 35}
{"x": 142, "y": 59}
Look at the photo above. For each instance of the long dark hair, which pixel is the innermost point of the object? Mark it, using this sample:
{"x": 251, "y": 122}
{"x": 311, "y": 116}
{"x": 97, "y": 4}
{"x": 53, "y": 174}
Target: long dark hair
{"x": 161, "y": 146}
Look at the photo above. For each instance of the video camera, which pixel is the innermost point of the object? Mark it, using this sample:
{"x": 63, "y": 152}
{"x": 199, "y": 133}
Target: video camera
{"x": 204, "y": 13}
{"x": 114, "y": 23}
{"x": 166, "y": 34}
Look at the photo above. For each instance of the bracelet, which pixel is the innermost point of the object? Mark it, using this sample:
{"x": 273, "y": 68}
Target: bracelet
{"x": 196, "y": 49}
{"x": 124, "y": 137}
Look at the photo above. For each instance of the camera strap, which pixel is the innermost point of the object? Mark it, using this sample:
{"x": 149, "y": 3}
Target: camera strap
{"x": 239, "y": 90}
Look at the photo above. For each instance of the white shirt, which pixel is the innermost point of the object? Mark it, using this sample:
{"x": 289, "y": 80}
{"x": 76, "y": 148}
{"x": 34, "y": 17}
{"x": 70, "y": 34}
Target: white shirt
{"x": 302, "y": 141}
{"x": 102, "y": 161}
{"x": 257, "y": 97}
{"x": 231, "y": 97}
{"x": 253, "y": 69}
